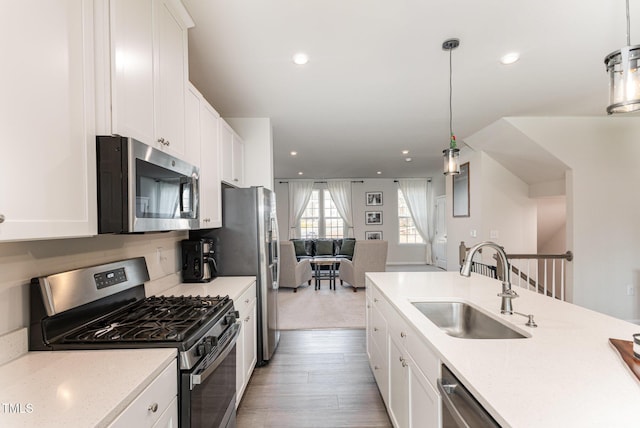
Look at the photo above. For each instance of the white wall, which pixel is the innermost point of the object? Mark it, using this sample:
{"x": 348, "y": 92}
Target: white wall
{"x": 397, "y": 253}
{"x": 500, "y": 211}
{"x": 21, "y": 261}
{"x": 603, "y": 207}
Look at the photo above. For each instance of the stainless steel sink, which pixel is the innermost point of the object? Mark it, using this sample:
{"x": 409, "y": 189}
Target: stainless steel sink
{"x": 462, "y": 320}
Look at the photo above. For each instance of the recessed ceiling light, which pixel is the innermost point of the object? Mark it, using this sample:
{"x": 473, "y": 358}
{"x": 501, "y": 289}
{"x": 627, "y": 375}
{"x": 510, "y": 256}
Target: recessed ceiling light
{"x": 301, "y": 58}
{"x": 510, "y": 58}
{"x": 405, "y": 152}
{"x": 294, "y": 153}
{"x": 408, "y": 159}
{"x": 300, "y": 173}
{"x": 379, "y": 172}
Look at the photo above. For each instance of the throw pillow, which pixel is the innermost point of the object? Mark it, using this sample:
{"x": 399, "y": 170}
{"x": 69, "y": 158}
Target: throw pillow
{"x": 324, "y": 247}
{"x": 347, "y": 247}
{"x": 298, "y": 244}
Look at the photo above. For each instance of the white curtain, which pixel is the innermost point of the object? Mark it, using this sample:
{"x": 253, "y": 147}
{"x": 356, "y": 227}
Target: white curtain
{"x": 299, "y": 195}
{"x": 418, "y": 193}
{"x": 341, "y": 194}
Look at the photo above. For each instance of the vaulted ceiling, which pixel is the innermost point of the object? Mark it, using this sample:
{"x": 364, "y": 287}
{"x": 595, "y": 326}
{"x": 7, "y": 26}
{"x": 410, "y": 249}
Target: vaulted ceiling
{"x": 377, "y": 81}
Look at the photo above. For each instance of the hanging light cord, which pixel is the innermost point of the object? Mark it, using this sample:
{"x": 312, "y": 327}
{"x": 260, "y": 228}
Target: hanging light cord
{"x": 452, "y": 143}
{"x": 628, "y": 26}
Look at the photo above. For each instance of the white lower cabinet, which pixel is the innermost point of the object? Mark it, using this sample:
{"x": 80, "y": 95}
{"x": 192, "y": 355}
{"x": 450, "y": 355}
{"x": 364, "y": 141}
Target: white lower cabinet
{"x": 246, "y": 347}
{"x": 156, "y": 406}
{"x": 407, "y": 373}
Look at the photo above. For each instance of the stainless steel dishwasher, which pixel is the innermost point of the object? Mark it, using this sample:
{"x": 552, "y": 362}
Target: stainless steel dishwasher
{"x": 459, "y": 408}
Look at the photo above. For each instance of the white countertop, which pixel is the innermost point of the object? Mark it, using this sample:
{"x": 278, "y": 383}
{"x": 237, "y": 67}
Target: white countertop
{"x": 565, "y": 375}
{"x": 233, "y": 286}
{"x": 76, "y": 388}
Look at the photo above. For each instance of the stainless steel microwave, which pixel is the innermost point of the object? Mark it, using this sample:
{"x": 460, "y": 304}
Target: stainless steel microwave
{"x": 142, "y": 189}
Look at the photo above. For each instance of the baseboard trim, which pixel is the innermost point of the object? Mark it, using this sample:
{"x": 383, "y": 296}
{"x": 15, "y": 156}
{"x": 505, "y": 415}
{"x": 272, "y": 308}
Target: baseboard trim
{"x": 407, "y": 263}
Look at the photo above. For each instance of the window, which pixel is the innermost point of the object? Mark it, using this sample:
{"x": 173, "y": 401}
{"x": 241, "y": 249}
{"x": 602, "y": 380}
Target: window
{"x": 320, "y": 218}
{"x": 408, "y": 234}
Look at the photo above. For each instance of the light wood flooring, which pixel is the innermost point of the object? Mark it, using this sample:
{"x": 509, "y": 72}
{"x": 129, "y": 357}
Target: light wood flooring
{"x": 316, "y": 378}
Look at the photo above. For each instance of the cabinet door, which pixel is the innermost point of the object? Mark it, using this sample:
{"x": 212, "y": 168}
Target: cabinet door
{"x": 238, "y": 161}
{"x": 250, "y": 344}
{"x": 210, "y": 193}
{"x": 170, "y": 77}
{"x": 47, "y": 110}
{"x": 192, "y": 131}
{"x": 226, "y": 152}
{"x": 424, "y": 402}
{"x": 240, "y": 380}
{"x": 398, "y": 403}
{"x": 131, "y": 33}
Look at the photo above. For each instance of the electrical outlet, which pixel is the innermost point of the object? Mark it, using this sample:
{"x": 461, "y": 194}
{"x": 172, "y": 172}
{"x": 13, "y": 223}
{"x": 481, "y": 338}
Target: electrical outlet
{"x": 631, "y": 290}
{"x": 473, "y": 233}
{"x": 494, "y": 234}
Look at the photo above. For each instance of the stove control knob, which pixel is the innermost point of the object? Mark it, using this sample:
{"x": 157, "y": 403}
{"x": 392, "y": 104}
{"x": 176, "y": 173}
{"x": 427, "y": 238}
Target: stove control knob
{"x": 231, "y": 318}
{"x": 200, "y": 350}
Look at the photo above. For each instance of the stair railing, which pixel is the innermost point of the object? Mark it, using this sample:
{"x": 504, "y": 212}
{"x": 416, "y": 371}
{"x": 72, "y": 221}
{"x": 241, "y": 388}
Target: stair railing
{"x": 543, "y": 273}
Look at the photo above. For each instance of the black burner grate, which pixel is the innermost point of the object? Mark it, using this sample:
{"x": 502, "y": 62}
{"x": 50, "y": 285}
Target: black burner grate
{"x": 154, "y": 319}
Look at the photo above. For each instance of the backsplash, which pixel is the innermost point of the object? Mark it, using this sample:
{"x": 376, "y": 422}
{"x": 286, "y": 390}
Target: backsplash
{"x": 21, "y": 261}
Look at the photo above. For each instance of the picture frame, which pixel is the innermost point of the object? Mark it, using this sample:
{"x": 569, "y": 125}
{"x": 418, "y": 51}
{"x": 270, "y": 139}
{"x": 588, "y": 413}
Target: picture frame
{"x": 373, "y": 234}
{"x": 461, "y": 192}
{"x": 373, "y": 198}
{"x": 373, "y": 217}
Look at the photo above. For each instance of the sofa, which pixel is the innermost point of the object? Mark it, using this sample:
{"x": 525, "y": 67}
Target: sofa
{"x": 310, "y": 248}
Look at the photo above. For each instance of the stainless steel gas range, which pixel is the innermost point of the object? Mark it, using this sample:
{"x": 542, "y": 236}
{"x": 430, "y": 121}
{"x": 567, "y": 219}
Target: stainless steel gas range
{"x": 104, "y": 306}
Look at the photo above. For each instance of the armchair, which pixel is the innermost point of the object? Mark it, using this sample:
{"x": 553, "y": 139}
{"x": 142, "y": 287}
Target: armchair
{"x": 293, "y": 273}
{"x": 368, "y": 256}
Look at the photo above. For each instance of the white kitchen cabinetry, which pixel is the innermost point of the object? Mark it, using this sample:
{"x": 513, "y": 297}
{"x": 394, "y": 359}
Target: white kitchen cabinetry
{"x": 377, "y": 342}
{"x": 156, "y": 406}
{"x": 141, "y": 72}
{"x": 47, "y": 173}
{"x": 202, "y": 132}
{"x": 246, "y": 348}
{"x": 409, "y": 386}
{"x": 232, "y": 155}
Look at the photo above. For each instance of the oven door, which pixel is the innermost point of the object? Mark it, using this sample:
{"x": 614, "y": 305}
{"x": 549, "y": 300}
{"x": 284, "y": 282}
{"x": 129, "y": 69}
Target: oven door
{"x": 208, "y": 391}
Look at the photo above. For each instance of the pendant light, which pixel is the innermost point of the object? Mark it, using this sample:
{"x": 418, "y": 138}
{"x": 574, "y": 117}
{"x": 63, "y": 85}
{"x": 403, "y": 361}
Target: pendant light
{"x": 624, "y": 76}
{"x": 452, "y": 154}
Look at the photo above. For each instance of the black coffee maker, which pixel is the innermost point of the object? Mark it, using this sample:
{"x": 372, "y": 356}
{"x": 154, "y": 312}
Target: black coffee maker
{"x": 198, "y": 264}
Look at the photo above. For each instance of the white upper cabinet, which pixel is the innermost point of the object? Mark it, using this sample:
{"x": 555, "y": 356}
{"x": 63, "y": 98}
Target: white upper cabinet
{"x": 142, "y": 70}
{"x": 47, "y": 167}
{"x": 232, "y": 155}
{"x": 202, "y": 130}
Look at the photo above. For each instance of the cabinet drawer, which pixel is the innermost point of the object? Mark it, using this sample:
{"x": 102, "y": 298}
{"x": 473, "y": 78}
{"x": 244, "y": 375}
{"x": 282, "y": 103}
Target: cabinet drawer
{"x": 146, "y": 408}
{"x": 426, "y": 359}
{"x": 244, "y": 302}
{"x": 378, "y": 329}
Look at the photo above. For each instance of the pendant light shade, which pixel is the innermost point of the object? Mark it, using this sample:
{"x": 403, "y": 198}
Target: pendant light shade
{"x": 624, "y": 76}
{"x": 452, "y": 154}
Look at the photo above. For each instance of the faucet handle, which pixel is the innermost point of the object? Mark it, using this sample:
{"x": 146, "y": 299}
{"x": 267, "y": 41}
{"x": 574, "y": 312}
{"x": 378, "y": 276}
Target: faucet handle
{"x": 508, "y": 293}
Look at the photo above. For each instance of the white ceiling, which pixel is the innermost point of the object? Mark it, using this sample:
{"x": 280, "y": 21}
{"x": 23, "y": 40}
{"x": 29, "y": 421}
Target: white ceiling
{"x": 377, "y": 80}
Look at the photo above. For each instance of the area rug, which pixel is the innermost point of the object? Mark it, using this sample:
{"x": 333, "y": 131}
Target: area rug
{"x": 319, "y": 309}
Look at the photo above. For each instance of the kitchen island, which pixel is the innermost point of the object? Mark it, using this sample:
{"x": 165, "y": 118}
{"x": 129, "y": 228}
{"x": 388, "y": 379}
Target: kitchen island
{"x": 564, "y": 374}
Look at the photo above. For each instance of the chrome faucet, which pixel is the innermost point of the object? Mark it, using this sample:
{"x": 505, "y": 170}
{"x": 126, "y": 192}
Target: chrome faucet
{"x": 507, "y": 293}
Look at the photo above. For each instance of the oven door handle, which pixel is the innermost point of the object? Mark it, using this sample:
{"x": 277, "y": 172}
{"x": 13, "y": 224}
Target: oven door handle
{"x": 197, "y": 379}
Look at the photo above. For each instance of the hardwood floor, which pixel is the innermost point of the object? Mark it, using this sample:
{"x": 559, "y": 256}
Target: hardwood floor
{"x": 317, "y": 378}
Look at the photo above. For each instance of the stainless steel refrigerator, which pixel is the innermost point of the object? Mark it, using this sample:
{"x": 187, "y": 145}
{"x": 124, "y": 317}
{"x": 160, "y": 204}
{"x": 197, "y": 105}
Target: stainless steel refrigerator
{"x": 247, "y": 245}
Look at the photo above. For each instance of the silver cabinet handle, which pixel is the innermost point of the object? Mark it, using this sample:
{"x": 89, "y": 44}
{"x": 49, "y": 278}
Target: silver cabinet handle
{"x": 236, "y": 180}
{"x": 1, "y": 218}
{"x": 246, "y": 301}
{"x": 164, "y": 142}
{"x": 375, "y": 300}
{"x": 153, "y": 408}
{"x": 375, "y": 328}
{"x": 403, "y": 334}
{"x": 403, "y": 361}
{"x": 247, "y": 319}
